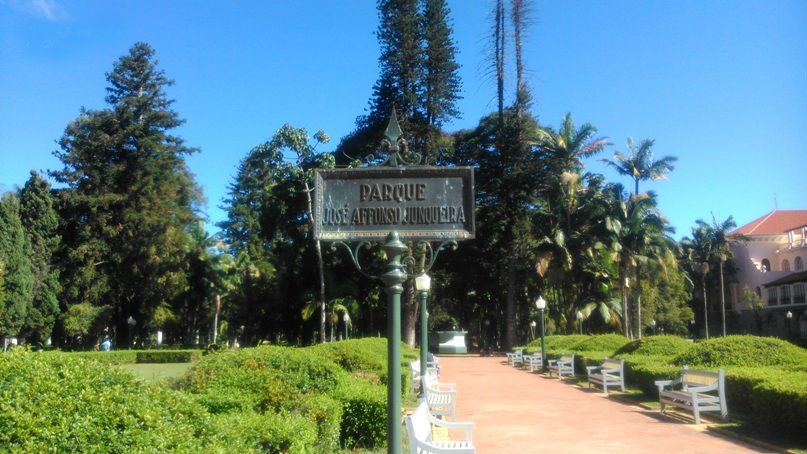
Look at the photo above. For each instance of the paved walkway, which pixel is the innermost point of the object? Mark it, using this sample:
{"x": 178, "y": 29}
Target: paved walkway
{"x": 519, "y": 412}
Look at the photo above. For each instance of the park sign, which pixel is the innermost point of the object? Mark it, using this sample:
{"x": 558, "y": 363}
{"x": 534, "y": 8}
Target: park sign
{"x": 419, "y": 202}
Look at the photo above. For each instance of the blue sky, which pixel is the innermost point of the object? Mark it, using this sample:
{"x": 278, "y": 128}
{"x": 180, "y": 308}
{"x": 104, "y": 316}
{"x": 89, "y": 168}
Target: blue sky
{"x": 722, "y": 85}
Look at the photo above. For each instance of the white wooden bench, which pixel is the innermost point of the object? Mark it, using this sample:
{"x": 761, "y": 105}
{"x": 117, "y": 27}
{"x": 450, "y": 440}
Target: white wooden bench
{"x": 701, "y": 390}
{"x": 610, "y": 373}
{"x": 414, "y": 367}
{"x": 535, "y": 361}
{"x": 440, "y": 397}
{"x": 562, "y": 366}
{"x": 517, "y": 357}
{"x": 419, "y": 427}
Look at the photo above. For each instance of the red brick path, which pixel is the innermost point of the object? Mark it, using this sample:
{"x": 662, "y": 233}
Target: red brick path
{"x": 519, "y": 412}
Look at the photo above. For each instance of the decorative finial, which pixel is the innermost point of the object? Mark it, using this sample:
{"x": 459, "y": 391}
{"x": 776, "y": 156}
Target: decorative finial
{"x": 393, "y": 131}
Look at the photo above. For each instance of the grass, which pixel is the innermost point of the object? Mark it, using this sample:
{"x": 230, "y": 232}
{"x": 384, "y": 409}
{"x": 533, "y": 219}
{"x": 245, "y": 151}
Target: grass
{"x": 159, "y": 371}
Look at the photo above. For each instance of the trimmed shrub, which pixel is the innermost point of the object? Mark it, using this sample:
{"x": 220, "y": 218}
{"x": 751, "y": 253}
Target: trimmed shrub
{"x": 771, "y": 398}
{"x": 743, "y": 351}
{"x": 167, "y": 356}
{"x": 664, "y": 345}
{"x": 608, "y": 343}
{"x": 364, "y": 414}
{"x": 61, "y": 403}
{"x": 115, "y": 357}
{"x": 268, "y": 433}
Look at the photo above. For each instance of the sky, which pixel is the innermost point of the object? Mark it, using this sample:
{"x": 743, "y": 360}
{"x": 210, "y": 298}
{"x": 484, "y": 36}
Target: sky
{"x": 721, "y": 85}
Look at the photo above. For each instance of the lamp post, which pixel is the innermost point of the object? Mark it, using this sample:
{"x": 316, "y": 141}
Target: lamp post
{"x": 487, "y": 336}
{"x": 131, "y": 322}
{"x": 653, "y": 325}
{"x": 423, "y": 284}
{"x": 788, "y": 316}
{"x": 580, "y": 321}
{"x": 346, "y": 319}
{"x": 540, "y": 303}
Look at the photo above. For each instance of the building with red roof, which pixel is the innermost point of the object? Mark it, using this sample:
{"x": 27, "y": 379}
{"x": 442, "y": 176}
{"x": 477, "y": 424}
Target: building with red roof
{"x": 771, "y": 260}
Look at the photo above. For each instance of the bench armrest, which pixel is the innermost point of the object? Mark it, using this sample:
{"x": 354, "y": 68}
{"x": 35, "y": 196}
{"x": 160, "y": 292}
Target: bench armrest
{"x": 610, "y": 371}
{"x": 467, "y": 426}
{"x": 552, "y": 362}
{"x": 447, "y": 386}
{"x": 591, "y": 369}
{"x": 665, "y": 383}
{"x": 441, "y": 393}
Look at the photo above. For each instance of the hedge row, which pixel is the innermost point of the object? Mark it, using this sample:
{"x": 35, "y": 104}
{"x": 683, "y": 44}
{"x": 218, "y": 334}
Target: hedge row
{"x": 118, "y": 357}
{"x": 167, "y": 356}
{"x": 766, "y": 378}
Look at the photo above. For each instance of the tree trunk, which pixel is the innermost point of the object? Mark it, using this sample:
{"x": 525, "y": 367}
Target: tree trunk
{"x": 722, "y": 299}
{"x": 410, "y": 313}
{"x": 499, "y": 49}
{"x": 510, "y": 307}
{"x": 320, "y": 268}
{"x": 705, "y": 309}
{"x": 638, "y": 302}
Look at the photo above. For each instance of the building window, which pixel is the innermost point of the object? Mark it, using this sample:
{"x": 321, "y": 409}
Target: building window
{"x": 798, "y": 293}
{"x": 785, "y": 265}
{"x": 798, "y": 264}
{"x": 772, "y": 301}
{"x": 766, "y": 265}
{"x": 785, "y": 294}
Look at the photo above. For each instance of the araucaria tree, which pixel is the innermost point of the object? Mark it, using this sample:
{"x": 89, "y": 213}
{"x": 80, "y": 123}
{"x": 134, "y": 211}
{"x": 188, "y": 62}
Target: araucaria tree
{"x": 130, "y": 197}
{"x": 15, "y": 266}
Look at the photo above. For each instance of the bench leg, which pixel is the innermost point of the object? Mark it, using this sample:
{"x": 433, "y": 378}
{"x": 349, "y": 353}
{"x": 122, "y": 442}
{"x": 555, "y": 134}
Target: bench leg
{"x": 661, "y": 404}
{"x": 697, "y": 415}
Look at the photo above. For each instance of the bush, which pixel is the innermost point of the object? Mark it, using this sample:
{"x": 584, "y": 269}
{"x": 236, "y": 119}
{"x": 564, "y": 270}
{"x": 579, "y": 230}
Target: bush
{"x": 771, "y": 398}
{"x": 115, "y": 357}
{"x": 270, "y": 433}
{"x": 62, "y": 403}
{"x": 600, "y": 343}
{"x": 364, "y": 414}
{"x": 664, "y": 345}
{"x": 167, "y": 356}
{"x": 743, "y": 351}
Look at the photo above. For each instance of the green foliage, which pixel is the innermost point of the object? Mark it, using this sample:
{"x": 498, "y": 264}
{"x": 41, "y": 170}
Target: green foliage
{"x": 84, "y": 319}
{"x": 59, "y": 403}
{"x": 601, "y": 343}
{"x": 656, "y": 346}
{"x": 41, "y": 221}
{"x": 271, "y": 433}
{"x": 114, "y": 357}
{"x": 364, "y": 414}
{"x": 772, "y": 398}
{"x": 167, "y": 356}
{"x": 743, "y": 351}
{"x": 129, "y": 197}
{"x": 18, "y": 275}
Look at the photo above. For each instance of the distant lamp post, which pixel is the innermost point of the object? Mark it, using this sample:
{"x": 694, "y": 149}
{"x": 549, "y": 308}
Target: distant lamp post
{"x": 540, "y": 303}
{"x": 346, "y": 319}
{"x": 131, "y": 322}
{"x": 532, "y": 329}
{"x": 487, "y": 335}
{"x": 789, "y": 316}
{"x": 653, "y": 325}
{"x": 580, "y": 321}
{"x": 423, "y": 284}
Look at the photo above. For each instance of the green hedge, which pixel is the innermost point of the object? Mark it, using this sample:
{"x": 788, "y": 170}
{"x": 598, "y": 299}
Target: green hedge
{"x": 744, "y": 351}
{"x": 167, "y": 356}
{"x": 115, "y": 357}
{"x": 51, "y": 403}
{"x": 664, "y": 345}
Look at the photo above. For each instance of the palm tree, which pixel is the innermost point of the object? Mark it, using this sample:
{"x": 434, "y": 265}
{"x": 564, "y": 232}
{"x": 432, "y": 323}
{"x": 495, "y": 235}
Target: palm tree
{"x": 638, "y": 235}
{"x": 569, "y": 144}
{"x": 640, "y": 165}
{"x": 721, "y": 251}
{"x": 697, "y": 253}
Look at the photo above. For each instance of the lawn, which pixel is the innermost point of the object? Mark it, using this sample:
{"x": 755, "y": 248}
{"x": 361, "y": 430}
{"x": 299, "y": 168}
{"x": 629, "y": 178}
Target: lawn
{"x": 158, "y": 371}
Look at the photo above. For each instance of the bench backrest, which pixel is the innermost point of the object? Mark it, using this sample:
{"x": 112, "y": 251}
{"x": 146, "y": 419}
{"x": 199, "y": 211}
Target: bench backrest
{"x": 567, "y": 358}
{"x": 612, "y": 364}
{"x": 418, "y": 426}
{"x": 695, "y": 377}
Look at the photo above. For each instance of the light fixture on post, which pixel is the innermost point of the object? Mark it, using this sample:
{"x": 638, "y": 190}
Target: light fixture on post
{"x": 423, "y": 284}
{"x": 540, "y": 303}
{"x": 346, "y": 319}
{"x": 580, "y": 321}
{"x": 653, "y": 324}
{"x": 131, "y": 322}
{"x": 532, "y": 329}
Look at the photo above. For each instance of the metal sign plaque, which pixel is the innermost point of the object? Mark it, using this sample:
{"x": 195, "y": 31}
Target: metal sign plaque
{"x": 429, "y": 203}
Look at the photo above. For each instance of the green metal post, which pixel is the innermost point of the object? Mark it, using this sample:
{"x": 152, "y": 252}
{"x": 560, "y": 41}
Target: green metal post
{"x": 543, "y": 343}
{"x": 424, "y": 339}
{"x": 393, "y": 278}
{"x": 580, "y": 325}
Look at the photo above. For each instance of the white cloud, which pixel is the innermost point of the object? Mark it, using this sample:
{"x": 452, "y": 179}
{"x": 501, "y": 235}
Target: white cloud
{"x": 46, "y": 9}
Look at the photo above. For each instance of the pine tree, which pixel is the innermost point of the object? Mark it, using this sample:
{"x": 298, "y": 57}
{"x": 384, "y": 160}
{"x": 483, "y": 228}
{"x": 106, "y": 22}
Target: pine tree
{"x": 41, "y": 222}
{"x": 15, "y": 253}
{"x": 131, "y": 197}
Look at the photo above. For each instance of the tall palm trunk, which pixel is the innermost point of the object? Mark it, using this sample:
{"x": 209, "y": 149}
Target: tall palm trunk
{"x": 722, "y": 298}
{"x": 623, "y": 285}
{"x": 638, "y": 302}
{"x": 705, "y": 309}
{"x": 320, "y": 268}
